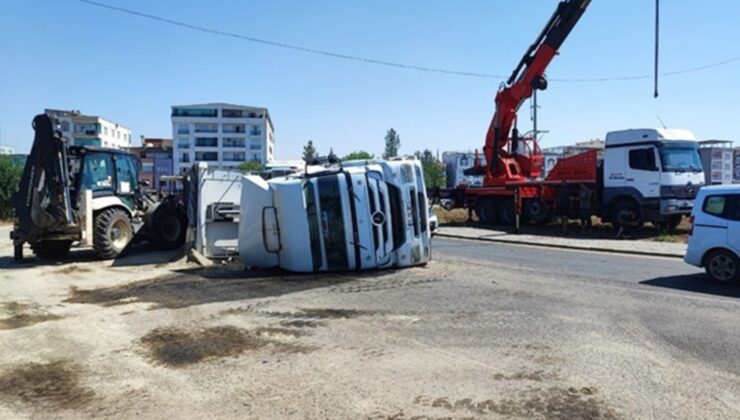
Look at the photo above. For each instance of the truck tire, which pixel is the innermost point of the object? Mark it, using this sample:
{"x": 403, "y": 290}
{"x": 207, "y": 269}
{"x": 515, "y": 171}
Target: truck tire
{"x": 168, "y": 228}
{"x": 487, "y": 210}
{"x": 51, "y": 250}
{"x": 112, "y": 233}
{"x": 670, "y": 223}
{"x": 506, "y": 212}
{"x": 722, "y": 266}
{"x": 535, "y": 211}
{"x": 626, "y": 210}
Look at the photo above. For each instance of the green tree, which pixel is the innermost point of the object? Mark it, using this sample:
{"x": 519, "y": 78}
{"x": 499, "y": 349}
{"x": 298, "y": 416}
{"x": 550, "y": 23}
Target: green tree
{"x": 359, "y": 155}
{"x": 252, "y": 166}
{"x": 10, "y": 176}
{"x": 392, "y": 144}
{"x": 434, "y": 170}
{"x": 309, "y": 152}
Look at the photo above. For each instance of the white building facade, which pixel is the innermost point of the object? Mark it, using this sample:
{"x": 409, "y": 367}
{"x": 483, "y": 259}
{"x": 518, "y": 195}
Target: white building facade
{"x": 223, "y": 135}
{"x": 88, "y": 130}
{"x": 7, "y": 150}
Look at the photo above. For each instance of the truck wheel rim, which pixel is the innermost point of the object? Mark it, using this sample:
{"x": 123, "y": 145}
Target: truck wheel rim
{"x": 722, "y": 267}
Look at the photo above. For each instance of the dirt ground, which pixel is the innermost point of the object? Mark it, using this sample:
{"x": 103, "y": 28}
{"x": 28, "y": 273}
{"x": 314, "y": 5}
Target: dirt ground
{"x": 146, "y": 337}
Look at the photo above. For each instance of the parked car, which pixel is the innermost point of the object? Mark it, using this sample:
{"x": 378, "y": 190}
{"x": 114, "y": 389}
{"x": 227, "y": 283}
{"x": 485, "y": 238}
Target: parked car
{"x": 714, "y": 238}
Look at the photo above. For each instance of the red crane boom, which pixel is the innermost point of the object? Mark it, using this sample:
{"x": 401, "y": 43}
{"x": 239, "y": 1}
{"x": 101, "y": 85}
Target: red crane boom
{"x": 504, "y": 162}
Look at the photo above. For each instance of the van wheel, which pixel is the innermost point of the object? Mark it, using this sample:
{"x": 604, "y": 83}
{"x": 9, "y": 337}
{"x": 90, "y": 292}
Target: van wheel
{"x": 51, "y": 250}
{"x": 486, "y": 211}
{"x": 722, "y": 266}
{"x": 112, "y": 234}
{"x": 507, "y": 212}
{"x": 626, "y": 214}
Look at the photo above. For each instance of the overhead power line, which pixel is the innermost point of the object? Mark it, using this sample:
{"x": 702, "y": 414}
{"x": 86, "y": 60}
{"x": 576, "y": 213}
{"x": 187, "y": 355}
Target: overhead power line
{"x": 386, "y": 63}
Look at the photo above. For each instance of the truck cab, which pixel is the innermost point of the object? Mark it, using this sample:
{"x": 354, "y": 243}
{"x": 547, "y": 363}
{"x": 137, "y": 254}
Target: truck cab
{"x": 359, "y": 216}
{"x": 650, "y": 175}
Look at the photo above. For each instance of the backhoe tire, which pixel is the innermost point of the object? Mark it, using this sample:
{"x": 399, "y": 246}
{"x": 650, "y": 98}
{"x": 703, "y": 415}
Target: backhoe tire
{"x": 168, "y": 228}
{"x": 487, "y": 211}
{"x": 507, "y": 212}
{"x": 112, "y": 233}
{"x": 51, "y": 250}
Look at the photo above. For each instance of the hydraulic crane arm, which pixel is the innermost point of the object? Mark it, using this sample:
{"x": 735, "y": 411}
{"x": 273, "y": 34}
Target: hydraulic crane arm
{"x": 526, "y": 77}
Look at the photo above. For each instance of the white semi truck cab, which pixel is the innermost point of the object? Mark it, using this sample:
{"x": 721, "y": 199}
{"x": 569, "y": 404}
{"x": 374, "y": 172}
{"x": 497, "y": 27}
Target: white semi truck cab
{"x": 358, "y": 216}
{"x": 650, "y": 175}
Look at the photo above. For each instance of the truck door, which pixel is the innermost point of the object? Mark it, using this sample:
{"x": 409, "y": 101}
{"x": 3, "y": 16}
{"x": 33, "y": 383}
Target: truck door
{"x": 643, "y": 173}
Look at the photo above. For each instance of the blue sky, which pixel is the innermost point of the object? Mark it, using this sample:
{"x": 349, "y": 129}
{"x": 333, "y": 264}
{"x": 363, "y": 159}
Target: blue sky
{"x": 68, "y": 55}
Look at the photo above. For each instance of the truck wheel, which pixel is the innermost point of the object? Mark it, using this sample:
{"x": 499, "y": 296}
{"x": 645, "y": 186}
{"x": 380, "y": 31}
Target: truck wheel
{"x": 535, "y": 211}
{"x": 626, "y": 213}
{"x": 112, "y": 233}
{"x": 486, "y": 211}
{"x": 722, "y": 266}
{"x": 51, "y": 250}
{"x": 507, "y": 212}
{"x": 671, "y": 223}
{"x": 168, "y": 227}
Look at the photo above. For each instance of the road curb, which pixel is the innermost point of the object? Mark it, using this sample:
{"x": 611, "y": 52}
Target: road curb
{"x": 561, "y": 246}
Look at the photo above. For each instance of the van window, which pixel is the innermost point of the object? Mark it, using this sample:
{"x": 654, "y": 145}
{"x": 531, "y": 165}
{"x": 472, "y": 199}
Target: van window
{"x": 715, "y": 205}
{"x": 643, "y": 159}
{"x": 733, "y": 209}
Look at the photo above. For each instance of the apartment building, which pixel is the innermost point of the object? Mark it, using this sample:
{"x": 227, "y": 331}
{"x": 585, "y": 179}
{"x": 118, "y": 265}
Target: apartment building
{"x": 223, "y": 135}
{"x": 156, "y": 159}
{"x": 88, "y": 130}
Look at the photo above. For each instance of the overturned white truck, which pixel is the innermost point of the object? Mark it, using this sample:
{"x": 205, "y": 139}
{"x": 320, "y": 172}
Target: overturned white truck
{"x": 358, "y": 216}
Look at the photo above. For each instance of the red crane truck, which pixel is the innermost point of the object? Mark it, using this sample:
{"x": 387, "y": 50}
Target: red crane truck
{"x": 652, "y": 174}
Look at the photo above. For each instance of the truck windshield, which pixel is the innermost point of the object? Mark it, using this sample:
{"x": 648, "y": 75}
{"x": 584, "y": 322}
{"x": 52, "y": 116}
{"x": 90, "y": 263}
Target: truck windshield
{"x": 680, "y": 157}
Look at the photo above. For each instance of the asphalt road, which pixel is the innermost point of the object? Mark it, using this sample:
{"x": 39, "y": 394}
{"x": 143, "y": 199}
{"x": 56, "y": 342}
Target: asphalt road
{"x": 671, "y": 300}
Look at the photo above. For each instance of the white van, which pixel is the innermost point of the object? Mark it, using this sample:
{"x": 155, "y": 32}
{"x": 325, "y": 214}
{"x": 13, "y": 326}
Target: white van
{"x": 714, "y": 241}
{"x": 359, "y": 216}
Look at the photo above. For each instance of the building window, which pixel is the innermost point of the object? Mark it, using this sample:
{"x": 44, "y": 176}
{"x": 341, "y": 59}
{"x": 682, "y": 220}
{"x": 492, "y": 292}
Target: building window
{"x": 206, "y": 142}
{"x": 234, "y": 142}
{"x": 256, "y": 131}
{"x": 185, "y": 158}
{"x": 195, "y": 112}
{"x": 183, "y": 128}
{"x": 231, "y": 113}
{"x": 65, "y": 125}
{"x": 206, "y": 128}
{"x": 183, "y": 143}
{"x": 206, "y": 156}
{"x": 105, "y": 130}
